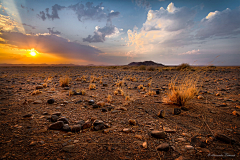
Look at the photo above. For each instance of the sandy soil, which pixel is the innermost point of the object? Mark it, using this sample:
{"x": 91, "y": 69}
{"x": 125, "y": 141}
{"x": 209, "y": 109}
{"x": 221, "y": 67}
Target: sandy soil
{"x": 207, "y": 128}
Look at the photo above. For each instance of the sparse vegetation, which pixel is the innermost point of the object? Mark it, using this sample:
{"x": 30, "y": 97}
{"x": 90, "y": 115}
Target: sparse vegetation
{"x": 183, "y": 66}
{"x": 142, "y": 67}
{"x": 92, "y": 86}
{"x": 64, "y": 81}
{"x": 36, "y": 92}
{"x": 45, "y": 85}
{"x": 151, "y": 68}
{"x": 109, "y": 98}
{"x": 182, "y": 93}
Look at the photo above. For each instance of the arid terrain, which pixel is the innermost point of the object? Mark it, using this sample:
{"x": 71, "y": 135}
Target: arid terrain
{"x": 118, "y": 118}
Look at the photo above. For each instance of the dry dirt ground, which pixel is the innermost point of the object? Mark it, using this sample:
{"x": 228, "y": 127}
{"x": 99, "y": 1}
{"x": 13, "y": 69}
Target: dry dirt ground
{"x": 207, "y": 128}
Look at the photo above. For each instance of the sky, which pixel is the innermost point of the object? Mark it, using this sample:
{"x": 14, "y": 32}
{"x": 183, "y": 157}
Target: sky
{"x": 117, "y": 32}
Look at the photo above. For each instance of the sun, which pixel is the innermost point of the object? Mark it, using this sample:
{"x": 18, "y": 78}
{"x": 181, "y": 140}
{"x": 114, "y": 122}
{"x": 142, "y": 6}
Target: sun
{"x": 33, "y": 52}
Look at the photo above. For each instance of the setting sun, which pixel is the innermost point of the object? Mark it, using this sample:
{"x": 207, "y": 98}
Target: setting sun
{"x": 33, "y": 52}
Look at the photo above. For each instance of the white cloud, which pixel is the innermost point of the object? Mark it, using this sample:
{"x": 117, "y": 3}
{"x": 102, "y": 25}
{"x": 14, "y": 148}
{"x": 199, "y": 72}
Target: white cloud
{"x": 191, "y": 52}
{"x": 171, "y": 8}
{"x": 220, "y": 23}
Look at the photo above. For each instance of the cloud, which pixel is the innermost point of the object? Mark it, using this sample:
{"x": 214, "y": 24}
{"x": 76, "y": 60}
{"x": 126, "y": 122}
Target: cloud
{"x": 83, "y": 12}
{"x": 225, "y": 23}
{"x": 53, "y": 32}
{"x": 191, "y": 52}
{"x": 29, "y": 25}
{"x": 172, "y": 19}
{"x": 142, "y": 3}
{"x": 100, "y": 33}
{"x": 3, "y": 11}
{"x": 51, "y": 44}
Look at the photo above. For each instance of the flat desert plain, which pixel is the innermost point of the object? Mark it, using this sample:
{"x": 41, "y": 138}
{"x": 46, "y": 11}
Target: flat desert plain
{"x": 118, "y": 113}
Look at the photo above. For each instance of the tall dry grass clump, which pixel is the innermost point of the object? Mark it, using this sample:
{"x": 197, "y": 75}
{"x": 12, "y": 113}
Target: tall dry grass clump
{"x": 64, "y": 81}
{"x": 183, "y": 66}
{"x": 183, "y": 92}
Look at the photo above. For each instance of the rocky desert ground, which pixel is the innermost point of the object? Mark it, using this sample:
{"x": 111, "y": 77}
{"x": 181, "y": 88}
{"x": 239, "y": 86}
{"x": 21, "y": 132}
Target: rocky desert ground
{"x": 117, "y": 113}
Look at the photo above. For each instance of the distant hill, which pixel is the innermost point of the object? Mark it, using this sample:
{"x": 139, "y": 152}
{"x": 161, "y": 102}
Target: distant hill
{"x": 146, "y": 63}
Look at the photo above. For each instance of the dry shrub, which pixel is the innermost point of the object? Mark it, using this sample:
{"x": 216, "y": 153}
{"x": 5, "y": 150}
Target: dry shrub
{"x": 150, "y": 93}
{"x": 151, "y": 68}
{"x": 64, "y": 81}
{"x": 150, "y": 83}
{"x": 181, "y": 94}
{"x": 45, "y": 85}
{"x": 92, "y": 86}
{"x": 83, "y": 92}
{"x": 36, "y": 92}
{"x": 142, "y": 67}
{"x": 183, "y": 66}
{"x": 140, "y": 86}
{"x": 109, "y": 98}
{"x": 127, "y": 98}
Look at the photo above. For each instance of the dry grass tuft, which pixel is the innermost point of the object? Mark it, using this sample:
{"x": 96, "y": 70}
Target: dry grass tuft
{"x": 36, "y": 92}
{"x": 182, "y": 93}
{"x": 45, "y": 85}
{"x": 140, "y": 86}
{"x": 183, "y": 66}
{"x": 83, "y": 92}
{"x": 150, "y": 83}
{"x": 92, "y": 86}
{"x": 64, "y": 81}
{"x": 109, "y": 98}
{"x": 151, "y": 93}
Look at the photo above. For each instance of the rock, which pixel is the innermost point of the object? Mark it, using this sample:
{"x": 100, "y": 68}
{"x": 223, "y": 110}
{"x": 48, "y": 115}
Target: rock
{"x": 27, "y": 115}
{"x": 158, "y": 134}
{"x": 180, "y": 158}
{"x": 217, "y": 94}
{"x": 104, "y": 110}
{"x": 50, "y": 101}
{"x": 105, "y": 84}
{"x": 66, "y": 88}
{"x": 223, "y": 138}
{"x": 57, "y": 113}
{"x": 56, "y": 126}
{"x": 101, "y": 103}
{"x": 168, "y": 130}
{"x": 79, "y": 101}
{"x": 45, "y": 113}
{"x": 66, "y": 127}
{"x": 144, "y": 144}
{"x": 236, "y": 113}
{"x": 200, "y": 97}
{"x": 126, "y": 130}
{"x": 39, "y": 87}
{"x": 54, "y": 118}
{"x": 177, "y": 111}
{"x": 64, "y": 119}
{"x": 184, "y": 109}
{"x": 161, "y": 114}
{"x": 37, "y": 102}
{"x": 95, "y": 106}
{"x": 33, "y": 143}
{"x": 139, "y": 137}
{"x": 189, "y": 147}
{"x": 163, "y": 147}
{"x": 122, "y": 108}
{"x": 186, "y": 134}
{"x": 198, "y": 141}
{"x": 132, "y": 122}
{"x": 181, "y": 139}
{"x": 76, "y": 128}
{"x": 81, "y": 122}
{"x": 87, "y": 124}
{"x": 68, "y": 148}
{"x": 157, "y": 92}
{"x": 98, "y": 125}
{"x": 91, "y": 102}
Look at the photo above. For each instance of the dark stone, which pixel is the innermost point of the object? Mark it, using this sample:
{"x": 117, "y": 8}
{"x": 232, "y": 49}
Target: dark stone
{"x": 157, "y": 92}
{"x": 198, "y": 141}
{"x": 66, "y": 128}
{"x": 87, "y": 124}
{"x": 56, "y": 126}
{"x": 223, "y": 138}
{"x": 158, "y": 134}
{"x": 95, "y": 106}
{"x": 105, "y": 84}
{"x": 161, "y": 114}
{"x": 66, "y": 88}
{"x": 91, "y": 102}
{"x": 98, "y": 125}
{"x": 50, "y": 101}
{"x": 64, "y": 119}
{"x": 184, "y": 109}
{"x": 27, "y": 115}
{"x": 76, "y": 128}
{"x": 45, "y": 113}
{"x": 54, "y": 118}
{"x": 177, "y": 111}
{"x": 110, "y": 108}
{"x": 104, "y": 110}
{"x": 78, "y": 93}
{"x": 163, "y": 147}
{"x": 78, "y": 102}
{"x": 81, "y": 122}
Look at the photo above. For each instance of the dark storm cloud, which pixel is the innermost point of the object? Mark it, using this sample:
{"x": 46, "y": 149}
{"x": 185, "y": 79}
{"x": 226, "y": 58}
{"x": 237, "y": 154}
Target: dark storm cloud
{"x": 223, "y": 23}
{"x": 53, "y": 32}
{"x": 29, "y": 25}
{"x": 101, "y": 33}
{"x": 83, "y": 12}
{"x": 51, "y": 44}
